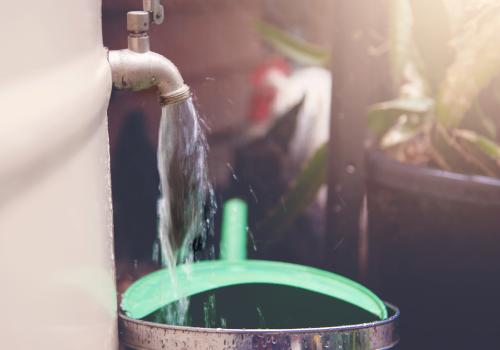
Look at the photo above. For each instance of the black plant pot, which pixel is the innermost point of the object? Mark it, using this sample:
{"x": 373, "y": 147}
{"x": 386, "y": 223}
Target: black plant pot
{"x": 434, "y": 250}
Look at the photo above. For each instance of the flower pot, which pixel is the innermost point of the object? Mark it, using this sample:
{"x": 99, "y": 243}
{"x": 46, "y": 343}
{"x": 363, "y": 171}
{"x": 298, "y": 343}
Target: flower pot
{"x": 434, "y": 250}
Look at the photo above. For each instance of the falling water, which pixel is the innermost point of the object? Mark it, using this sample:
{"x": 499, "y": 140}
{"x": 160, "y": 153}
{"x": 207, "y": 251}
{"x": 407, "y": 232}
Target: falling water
{"x": 186, "y": 207}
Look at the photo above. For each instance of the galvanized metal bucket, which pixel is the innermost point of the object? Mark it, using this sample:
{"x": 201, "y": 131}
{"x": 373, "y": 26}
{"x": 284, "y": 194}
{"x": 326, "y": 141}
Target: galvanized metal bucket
{"x": 271, "y": 285}
{"x": 142, "y": 335}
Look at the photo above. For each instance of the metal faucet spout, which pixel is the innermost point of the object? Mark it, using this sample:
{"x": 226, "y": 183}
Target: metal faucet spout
{"x": 140, "y": 71}
{"x": 137, "y": 68}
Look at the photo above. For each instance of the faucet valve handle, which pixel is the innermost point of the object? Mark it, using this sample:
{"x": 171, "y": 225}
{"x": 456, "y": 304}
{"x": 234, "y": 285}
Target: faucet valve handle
{"x": 155, "y": 9}
{"x": 137, "y": 22}
{"x": 137, "y": 27}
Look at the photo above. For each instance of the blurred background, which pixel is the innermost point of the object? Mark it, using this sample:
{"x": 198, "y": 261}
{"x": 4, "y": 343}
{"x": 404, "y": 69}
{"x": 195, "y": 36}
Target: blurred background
{"x": 362, "y": 135}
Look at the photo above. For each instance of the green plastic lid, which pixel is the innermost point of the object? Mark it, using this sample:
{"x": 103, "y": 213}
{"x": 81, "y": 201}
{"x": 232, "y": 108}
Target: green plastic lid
{"x": 154, "y": 291}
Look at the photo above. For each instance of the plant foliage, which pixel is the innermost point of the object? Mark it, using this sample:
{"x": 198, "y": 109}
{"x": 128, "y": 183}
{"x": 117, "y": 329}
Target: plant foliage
{"x": 293, "y": 47}
{"x": 444, "y": 54}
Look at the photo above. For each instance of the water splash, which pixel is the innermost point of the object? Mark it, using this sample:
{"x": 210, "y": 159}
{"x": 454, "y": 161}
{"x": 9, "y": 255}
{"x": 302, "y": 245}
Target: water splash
{"x": 254, "y": 195}
{"x": 187, "y": 205}
{"x": 235, "y": 177}
{"x": 252, "y": 239}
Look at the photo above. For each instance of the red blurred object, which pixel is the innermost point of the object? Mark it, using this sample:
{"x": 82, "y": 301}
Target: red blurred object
{"x": 264, "y": 94}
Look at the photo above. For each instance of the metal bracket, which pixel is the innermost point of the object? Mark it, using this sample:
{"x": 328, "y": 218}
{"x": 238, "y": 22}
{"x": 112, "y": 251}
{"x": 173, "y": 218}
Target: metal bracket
{"x": 155, "y": 9}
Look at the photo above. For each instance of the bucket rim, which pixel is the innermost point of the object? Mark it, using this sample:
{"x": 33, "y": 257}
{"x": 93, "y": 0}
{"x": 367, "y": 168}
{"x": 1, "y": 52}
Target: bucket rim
{"x": 394, "y": 317}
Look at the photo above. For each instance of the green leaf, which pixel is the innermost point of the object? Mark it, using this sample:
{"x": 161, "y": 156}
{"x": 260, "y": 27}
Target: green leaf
{"x": 382, "y": 116}
{"x": 298, "y": 198}
{"x": 432, "y": 32}
{"x": 482, "y": 143}
{"x": 461, "y": 155}
{"x": 488, "y": 125}
{"x": 292, "y": 47}
{"x": 404, "y": 130}
{"x": 401, "y": 38}
{"x": 484, "y": 125}
{"x": 476, "y": 64}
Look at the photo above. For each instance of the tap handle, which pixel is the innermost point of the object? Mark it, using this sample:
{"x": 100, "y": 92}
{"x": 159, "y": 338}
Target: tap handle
{"x": 137, "y": 22}
{"x": 155, "y": 9}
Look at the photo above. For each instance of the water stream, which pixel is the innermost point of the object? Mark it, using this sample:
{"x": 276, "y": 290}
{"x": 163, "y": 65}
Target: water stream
{"x": 186, "y": 211}
{"x": 187, "y": 206}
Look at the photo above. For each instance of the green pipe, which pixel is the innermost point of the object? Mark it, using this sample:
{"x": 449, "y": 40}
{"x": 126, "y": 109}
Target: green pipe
{"x": 233, "y": 244}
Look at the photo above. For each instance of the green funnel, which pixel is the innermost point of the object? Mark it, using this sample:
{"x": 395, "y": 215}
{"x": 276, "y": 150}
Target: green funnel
{"x": 154, "y": 291}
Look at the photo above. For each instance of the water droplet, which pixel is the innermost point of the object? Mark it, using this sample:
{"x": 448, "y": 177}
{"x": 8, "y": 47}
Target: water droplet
{"x": 350, "y": 169}
{"x": 252, "y": 239}
{"x": 252, "y": 192}
{"x": 282, "y": 201}
{"x": 232, "y": 171}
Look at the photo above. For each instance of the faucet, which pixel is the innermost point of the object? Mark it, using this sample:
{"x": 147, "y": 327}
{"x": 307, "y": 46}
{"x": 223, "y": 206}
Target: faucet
{"x": 137, "y": 68}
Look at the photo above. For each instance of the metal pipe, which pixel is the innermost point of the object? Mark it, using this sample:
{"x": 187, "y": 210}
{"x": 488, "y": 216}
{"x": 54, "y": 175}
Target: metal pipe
{"x": 352, "y": 62}
{"x": 139, "y": 71}
{"x": 155, "y": 9}
{"x": 138, "y": 68}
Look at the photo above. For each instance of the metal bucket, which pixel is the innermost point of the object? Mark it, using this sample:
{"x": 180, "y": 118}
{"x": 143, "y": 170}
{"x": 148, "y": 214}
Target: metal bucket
{"x": 142, "y": 335}
{"x": 289, "y": 295}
